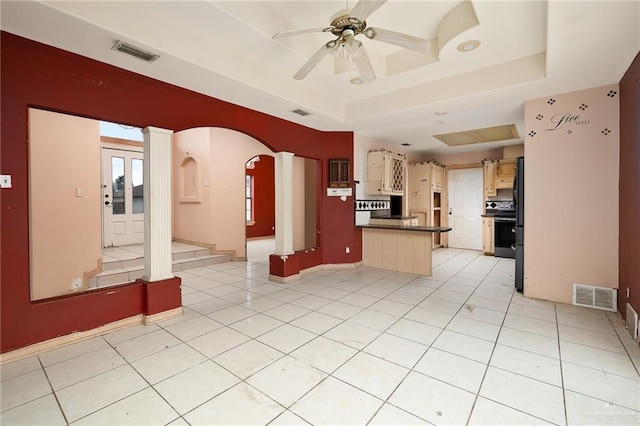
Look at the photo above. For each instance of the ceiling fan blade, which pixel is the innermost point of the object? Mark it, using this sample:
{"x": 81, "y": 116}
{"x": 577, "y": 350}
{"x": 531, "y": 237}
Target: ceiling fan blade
{"x": 399, "y": 39}
{"x": 364, "y": 8}
{"x": 363, "y": 64}
{"x": 315, "y": 60}
{"x": 302, "y": 31}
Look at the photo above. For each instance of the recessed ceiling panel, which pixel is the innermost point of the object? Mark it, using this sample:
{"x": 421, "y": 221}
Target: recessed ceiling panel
{"x": 487, "y": 134}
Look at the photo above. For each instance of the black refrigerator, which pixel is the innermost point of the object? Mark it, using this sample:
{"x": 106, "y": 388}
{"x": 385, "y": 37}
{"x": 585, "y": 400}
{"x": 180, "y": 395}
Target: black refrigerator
{"x": 518, "y": 198}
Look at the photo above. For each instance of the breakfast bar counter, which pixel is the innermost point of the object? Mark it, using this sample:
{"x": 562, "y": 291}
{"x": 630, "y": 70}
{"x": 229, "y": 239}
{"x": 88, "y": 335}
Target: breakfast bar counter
{"x": 399, "y": 248}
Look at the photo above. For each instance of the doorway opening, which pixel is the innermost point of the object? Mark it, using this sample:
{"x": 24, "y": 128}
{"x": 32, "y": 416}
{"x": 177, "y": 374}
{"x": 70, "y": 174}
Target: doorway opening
{"x": 122, "y": 183}
{"x": 260, "y": 208}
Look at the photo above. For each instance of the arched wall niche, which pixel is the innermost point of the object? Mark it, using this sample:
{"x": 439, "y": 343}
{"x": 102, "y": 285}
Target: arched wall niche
{"x": 188, "y": 179}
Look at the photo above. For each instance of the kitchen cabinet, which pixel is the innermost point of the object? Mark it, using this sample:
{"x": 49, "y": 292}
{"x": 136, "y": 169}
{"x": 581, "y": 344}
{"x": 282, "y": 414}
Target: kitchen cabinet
{"x": 423, "y": 201}
{"x": 488, "y": 241}
{"x": 438, "y": 218}
{"x": 419, "y": 192}
{"x": 505, "y": 172}
{"x": 490, "y": 178}
{"x": 437, "y": 177}
{"x": 385, "y": 173}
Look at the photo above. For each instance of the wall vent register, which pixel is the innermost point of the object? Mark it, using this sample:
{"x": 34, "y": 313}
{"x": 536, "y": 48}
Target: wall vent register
{"x": 595, "y": 297}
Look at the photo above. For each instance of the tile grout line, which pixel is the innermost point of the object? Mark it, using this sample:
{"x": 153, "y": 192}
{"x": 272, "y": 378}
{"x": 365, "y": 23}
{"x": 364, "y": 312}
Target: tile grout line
{"x": 53, "y": 392}
{"x": 564, "y": 393}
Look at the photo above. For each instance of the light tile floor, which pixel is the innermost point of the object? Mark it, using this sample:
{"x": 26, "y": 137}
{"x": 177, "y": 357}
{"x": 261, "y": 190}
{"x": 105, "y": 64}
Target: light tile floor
{"x": 355, "y": 346}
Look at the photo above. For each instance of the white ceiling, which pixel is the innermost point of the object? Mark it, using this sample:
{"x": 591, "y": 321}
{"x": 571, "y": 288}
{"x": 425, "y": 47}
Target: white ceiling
{"x": 224, "y": 49}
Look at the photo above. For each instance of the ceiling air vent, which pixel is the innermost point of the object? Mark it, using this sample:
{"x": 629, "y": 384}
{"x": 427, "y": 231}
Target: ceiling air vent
{"x": 134, "y": 51}
{"x": 595, "y": 297}
{"x": 301, "y": 112}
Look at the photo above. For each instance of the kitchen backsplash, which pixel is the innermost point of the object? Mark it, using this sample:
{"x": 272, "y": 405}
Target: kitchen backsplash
{"x": 372, "y": 205}
{"x": 499, "y": 205}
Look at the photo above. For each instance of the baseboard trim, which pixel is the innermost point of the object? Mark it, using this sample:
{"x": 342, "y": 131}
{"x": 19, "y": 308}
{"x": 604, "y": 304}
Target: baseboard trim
{"x": 161, "y": 316}
{"x": 284, "y": 280}
{"x": 79, "y": 336}
{"x": 292, "y": 278}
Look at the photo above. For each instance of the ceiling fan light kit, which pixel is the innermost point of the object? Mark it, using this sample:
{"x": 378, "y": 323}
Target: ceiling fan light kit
{"x": 346, "y": 25}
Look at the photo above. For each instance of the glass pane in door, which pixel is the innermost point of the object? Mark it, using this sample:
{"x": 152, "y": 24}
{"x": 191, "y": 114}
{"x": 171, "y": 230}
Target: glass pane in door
{"x": 117, "y": 182}
{"x": 138, "y": 188}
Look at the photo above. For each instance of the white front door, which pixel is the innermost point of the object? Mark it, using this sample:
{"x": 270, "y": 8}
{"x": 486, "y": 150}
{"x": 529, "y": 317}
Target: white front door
{"x": 465, "y": 207}
{"x": 122, "y": 199}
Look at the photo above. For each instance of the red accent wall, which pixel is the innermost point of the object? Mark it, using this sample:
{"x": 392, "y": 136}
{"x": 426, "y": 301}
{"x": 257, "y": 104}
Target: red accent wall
{"x": 37, "y": 75}
{"x": 629, "y": 244}
{"x": 264, "y": 198}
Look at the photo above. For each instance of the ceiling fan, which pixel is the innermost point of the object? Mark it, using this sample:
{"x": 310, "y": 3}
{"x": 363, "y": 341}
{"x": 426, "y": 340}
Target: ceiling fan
{"x": 346, "y": 24}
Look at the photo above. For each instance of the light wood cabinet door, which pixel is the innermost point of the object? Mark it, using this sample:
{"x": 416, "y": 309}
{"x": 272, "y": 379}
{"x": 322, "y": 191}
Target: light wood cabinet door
{"x": 487, "y": 235}
{"x": 418, "y": 187}
{"x": 490, "y": 178}
{"x": 505, "y": 172}
{"x": 385, "y": 173}
{"x": 437, "y": 177}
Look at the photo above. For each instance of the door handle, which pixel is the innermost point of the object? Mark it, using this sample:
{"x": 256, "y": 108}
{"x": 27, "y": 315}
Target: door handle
{"x": 106, "y": 203}
{"x": 450, "y": 210}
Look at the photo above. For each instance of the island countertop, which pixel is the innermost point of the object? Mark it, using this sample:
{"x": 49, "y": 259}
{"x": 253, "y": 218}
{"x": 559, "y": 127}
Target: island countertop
{"x": 399, "y": 248}
{"x": 407, "y": 228}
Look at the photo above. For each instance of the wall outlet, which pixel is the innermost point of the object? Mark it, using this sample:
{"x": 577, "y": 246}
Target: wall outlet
{"x": 76, "y": 283}
{"x": 347, "y": 250}
{"x": 5, "y": 181}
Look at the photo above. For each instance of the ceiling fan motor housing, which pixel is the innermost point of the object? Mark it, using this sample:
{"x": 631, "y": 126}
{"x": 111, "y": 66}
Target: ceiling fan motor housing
{"x": 341, "y": 21}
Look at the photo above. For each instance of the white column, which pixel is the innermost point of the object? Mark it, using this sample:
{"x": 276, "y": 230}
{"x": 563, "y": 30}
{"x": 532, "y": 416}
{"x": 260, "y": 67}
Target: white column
{"x": 284, "y": 202}
{"x": 157, "y": 204}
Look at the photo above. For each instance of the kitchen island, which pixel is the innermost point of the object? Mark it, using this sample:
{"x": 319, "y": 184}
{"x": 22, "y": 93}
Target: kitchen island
{"x": 399, "y": 248}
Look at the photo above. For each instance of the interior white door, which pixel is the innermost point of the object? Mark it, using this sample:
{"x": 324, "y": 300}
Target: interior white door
{"x": 465, "y": 207}
{"x": 122, "y": 197}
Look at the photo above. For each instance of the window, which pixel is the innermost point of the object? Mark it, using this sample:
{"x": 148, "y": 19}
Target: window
{"x": 249, "y": 199}
{"x": 138, "y": 185}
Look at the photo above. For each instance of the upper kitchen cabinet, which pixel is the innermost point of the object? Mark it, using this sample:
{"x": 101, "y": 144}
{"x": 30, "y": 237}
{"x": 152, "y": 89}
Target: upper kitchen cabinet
{"x": 385, "y": 173}
{"x": 505, "y": 173}
{"x": 426, "y": 196}
{"x": 419, "y": 192}
{"x": 437, "y": 176}
{"x": 490, "y": 178}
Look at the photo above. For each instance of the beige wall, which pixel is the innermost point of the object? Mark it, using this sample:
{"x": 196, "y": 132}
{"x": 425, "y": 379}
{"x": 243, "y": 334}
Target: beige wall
{"x": 571, "y": 193}
{"x": 298, "y": 203}
{"x": 310, "y": 202}
{"x": 191, "y": 218}
{"x": 218, "y": 216}
{"x": 65, "y": 227}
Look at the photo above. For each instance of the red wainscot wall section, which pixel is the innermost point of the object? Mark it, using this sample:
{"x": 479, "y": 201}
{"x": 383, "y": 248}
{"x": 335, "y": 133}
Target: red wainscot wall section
{"x": 37, "y": 75}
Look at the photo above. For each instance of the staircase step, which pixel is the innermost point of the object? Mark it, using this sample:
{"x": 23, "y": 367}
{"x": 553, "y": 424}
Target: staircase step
{"x": 191, "y": 254}
{"x": 115, "y": 273}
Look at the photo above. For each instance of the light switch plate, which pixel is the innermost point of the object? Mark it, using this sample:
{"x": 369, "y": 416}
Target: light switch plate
{"x": 5, "y": 181}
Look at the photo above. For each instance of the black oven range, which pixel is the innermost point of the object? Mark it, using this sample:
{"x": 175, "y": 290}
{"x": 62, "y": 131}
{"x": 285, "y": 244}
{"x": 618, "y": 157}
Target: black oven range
{"x": 504, "y": 223}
